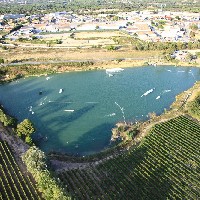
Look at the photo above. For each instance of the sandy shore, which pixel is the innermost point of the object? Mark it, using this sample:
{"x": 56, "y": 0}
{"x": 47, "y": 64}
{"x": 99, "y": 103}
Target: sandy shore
{"x": 140, "y": 63}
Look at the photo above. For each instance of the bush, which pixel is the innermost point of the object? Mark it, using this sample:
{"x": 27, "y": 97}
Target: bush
{"x": 1, "y": 60}
{"x": 4, "y": 47}
{"x": 34, "y": 37}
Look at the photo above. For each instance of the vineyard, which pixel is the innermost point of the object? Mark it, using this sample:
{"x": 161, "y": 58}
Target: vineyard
{"x": 166, "y": 165}
{"x": 13, "y": 183}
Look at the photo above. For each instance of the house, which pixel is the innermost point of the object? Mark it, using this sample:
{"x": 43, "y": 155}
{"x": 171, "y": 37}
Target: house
{"x": 179, "y": 55}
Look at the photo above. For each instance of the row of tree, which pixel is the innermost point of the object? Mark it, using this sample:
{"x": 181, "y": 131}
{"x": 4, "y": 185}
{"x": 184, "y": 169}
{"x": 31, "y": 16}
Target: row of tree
{"x": 23, "y": 130}
{"x": 50, "y": 187}
{"x": 141, "y": 45}
{"x": 36, "y": 160}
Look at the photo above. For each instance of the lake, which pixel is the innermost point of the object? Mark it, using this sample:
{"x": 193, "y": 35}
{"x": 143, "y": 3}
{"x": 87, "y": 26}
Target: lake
{"x": 79, "y": 119}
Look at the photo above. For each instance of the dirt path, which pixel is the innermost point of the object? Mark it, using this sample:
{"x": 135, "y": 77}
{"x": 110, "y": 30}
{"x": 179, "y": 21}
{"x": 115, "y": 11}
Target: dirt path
{"x": 59, "y": 166}
{"x": 75, "y": 61}
{"x": 17, "y": 146}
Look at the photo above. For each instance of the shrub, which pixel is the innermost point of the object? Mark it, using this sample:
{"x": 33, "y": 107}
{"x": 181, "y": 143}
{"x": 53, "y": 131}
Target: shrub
{"x": 111, "y": 48}
{"x": 58, "y": 41}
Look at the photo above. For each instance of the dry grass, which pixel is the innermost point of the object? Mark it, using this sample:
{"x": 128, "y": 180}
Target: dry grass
{"x": 98, "y": 34}
{"x": 79, "y": 40}
{"x": 197, "y": 36}
{"x": 73, "y": 54}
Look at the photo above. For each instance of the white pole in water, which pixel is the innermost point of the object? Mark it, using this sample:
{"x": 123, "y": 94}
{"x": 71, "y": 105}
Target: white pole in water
{"x": 122, "y": 109}
{"x": 193, "y": 75}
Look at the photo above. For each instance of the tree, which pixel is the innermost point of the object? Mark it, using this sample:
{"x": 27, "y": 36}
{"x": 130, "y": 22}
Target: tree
{"x": 115, "y": 18}
{"x": 135, "y": 35}
{"x": 1, "y": 60}
{"x": 49, "y": 43}
{"x": 36, "y": 163}
{"x": 111, "y": 48}
{"x": 28, "y": 140}
{"x": 25, "y": 128}
{"x": 177, "y": 17}
{"x": 192, "y": 34}
{"x": 34, "y": 37}
{"x": 194, "y": 27}
{"x": 189, "y": 57}
{"x": 6, "y": 119}
{"x": 59, "y": 41}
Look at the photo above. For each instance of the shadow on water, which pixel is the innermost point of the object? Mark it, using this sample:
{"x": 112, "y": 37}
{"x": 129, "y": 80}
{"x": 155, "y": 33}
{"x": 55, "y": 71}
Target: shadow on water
{"x": 24, "y": 103}
{"x": 77, "y": 114}
{"x": 95, "y": 140}
{"x": 59, "y": 119}
{"x": 61, "y": 122}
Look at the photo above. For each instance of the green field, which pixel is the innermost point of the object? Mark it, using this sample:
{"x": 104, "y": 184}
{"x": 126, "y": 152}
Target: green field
{"x": 166, "y": 165}
{"x": 14, "y": 184}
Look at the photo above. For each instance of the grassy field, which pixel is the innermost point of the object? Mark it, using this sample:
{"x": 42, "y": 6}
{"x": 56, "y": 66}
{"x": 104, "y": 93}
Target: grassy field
{"x": 83, "y": 45}
{"x": 14, "y": 183}
{"x": 72, "y": 39}
{"x": 164, "y": 166}
{"x": 39, "y": 54}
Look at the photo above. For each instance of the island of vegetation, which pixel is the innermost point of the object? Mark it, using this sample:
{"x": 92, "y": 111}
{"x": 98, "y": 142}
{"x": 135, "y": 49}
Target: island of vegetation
{"x": 154, "y": 159}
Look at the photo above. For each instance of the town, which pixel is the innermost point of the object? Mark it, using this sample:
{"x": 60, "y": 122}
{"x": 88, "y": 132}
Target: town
{"x": 146, "y": 25}
{"x": 70, "y": 30}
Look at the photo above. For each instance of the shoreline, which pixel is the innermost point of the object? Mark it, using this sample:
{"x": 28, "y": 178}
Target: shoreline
{"x": 62, "y": 67}
{"x": 176, "y": 108}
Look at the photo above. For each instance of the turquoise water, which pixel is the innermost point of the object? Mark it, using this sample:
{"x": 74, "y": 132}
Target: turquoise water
{"x": 92, "y": 96}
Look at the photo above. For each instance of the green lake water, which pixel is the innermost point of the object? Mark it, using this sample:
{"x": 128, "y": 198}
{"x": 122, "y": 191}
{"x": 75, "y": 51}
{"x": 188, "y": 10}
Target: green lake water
{"x": 92, "y": 96}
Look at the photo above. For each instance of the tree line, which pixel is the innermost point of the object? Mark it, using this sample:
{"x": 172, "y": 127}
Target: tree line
{"x": 23, "y": 130}
{"x": 78, "y": 6}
